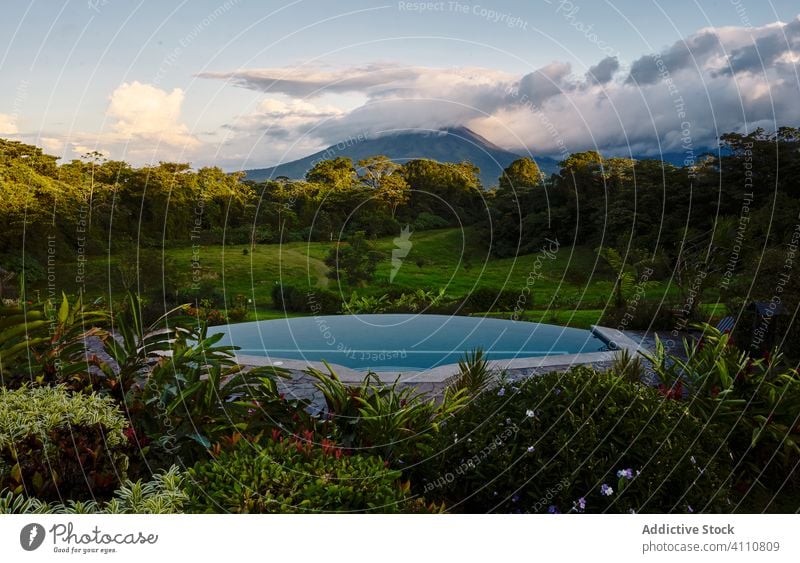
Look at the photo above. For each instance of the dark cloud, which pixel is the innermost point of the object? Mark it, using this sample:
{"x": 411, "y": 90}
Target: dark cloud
{"x": 545, "y": 83}
{"x": 645, "y": 70}
{"x": 603, "y": 72}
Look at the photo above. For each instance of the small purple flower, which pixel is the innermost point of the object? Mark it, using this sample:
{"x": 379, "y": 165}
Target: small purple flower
{"x": 557, "y": 391}
{"x": 689, "y": 508}
{"x": 553, "y": 509}
{"x": 531, "y": 449}
{"x": 582, "y": 503}
{"x": 515, "y": 498}
{"x": 605, "y": 490}
{"x": 501, "y": 392}
{"x": 627, "y": 473}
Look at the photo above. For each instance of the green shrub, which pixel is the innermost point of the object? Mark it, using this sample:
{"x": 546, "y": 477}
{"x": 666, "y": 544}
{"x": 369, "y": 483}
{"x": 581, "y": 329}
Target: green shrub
{"x": 426, "y": 221}
{"x": 397, "y": 424}
{"x": 558, "y": 441}
{"x": 164, "y": 494}
{"x": 289, "y": 475}
{"x": 54, "y": 444}
{"x": 644, "y": 315}
{"x": 311, "y": 300}
{"x": 753, "y": 404}
{"x": 237, "y": 314}
{"x": 484, "y": 299}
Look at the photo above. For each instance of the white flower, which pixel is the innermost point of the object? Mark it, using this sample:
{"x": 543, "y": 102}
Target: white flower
{"x": 529, "y": 413}
{"x": 531, "y": 449}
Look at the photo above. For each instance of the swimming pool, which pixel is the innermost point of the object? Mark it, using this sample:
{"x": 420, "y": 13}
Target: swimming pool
{"x": 402, "y": 342}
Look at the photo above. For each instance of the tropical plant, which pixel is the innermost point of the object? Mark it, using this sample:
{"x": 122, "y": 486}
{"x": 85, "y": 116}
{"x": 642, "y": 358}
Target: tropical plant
{"x": 754, "y": 403}
{"x": 163, "y": 494}
{"x": 181, "y": 388}
{"x": 364, "y": 304}
{"x": 46, "y": 344}
{"x": 624, "y": 282}
{"x": 628, "y": 366}
{"x": 418, "y": 301}
{"x": 474, "y": 375}
{"x": 397, "y": 424}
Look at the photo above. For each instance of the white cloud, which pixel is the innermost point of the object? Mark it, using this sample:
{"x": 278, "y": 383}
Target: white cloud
{"x": 8, "y": 124}
{"x": 143, "y": 113}
{"x": 53, "y": 145}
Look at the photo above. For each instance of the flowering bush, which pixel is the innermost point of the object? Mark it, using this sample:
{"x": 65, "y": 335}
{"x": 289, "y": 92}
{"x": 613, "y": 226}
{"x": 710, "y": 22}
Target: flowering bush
{"x": 576, "y": 441}
{"x": 293, "y": 474}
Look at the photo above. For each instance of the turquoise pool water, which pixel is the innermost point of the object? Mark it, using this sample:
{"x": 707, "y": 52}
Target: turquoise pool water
{"x": 402, "y": 342}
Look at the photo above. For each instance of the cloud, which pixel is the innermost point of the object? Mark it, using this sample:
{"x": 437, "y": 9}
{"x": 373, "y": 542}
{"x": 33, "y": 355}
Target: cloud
{"x": 546, "y": 82}
{"x": 53, "y": 145}
{"x": 294, "y": 117}
{"x": 765, "y": 51}
{"x": 143, "y": 113}
{"x": 8, "y": 124}
{"x": 680, "y": 55}
{"x": 310, "y": 83}
{"x": 678, "y": 100}
{"x": 603, "y": 72}
{"x": 144, "y": 127}
{"x": 281, "y": 130}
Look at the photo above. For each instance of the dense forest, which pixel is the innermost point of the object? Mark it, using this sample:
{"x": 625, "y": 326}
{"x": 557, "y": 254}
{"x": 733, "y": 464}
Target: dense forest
{"x": 731, "y": 221}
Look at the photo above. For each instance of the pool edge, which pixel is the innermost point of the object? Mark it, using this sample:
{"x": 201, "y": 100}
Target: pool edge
{"x": 613, "y": 338}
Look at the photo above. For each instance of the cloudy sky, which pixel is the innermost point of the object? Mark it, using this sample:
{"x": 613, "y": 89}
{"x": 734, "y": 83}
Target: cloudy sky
{"x": 249, "y": 83}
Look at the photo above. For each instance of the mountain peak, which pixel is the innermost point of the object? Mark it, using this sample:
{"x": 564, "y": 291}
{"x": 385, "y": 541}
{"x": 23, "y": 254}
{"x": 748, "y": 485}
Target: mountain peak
{"x": 452, "y": 144}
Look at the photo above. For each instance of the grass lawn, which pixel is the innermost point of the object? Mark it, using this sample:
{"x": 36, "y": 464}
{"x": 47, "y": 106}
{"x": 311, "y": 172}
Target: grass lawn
{"x": 570, "y": 286}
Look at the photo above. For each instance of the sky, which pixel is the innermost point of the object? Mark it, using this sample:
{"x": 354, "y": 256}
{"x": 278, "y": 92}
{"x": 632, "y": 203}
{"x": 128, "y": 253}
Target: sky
{"x": 249, "y": 83}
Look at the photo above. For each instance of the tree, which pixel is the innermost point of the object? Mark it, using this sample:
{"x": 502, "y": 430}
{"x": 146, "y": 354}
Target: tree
{"x": 376, "y": 168}
{"x": 353, "y": 262}
{"x": 522, "y": 173}
{"x": 383, "y": 176}
{"x": 336, "y": 174}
